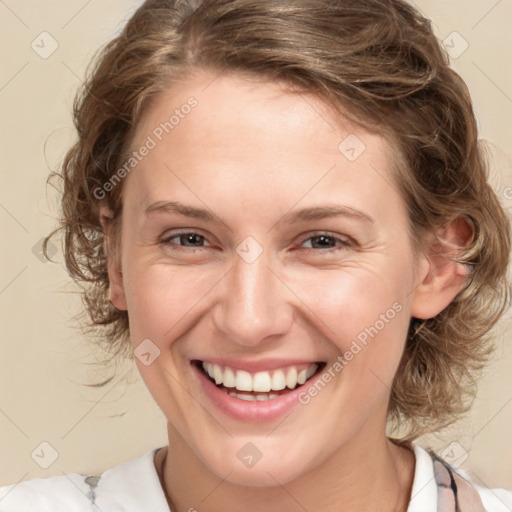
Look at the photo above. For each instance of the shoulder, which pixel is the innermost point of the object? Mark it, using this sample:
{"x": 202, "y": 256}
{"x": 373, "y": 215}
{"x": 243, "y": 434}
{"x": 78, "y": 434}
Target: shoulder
{"x": 453, "y": 488}
{"x": 493, "y": 499}
{"x": 132, "y": 485}
{"x": 54, "y": 493}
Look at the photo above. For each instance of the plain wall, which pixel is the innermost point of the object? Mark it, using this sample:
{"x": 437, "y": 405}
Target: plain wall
{"x": 44, "y": 358}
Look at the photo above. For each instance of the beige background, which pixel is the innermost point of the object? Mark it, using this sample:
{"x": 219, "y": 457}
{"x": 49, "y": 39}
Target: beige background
{"x": 43, "y": 357}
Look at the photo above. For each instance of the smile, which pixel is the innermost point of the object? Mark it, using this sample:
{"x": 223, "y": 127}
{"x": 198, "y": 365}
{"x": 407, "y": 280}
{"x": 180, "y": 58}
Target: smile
{"x": 261, "y": 385}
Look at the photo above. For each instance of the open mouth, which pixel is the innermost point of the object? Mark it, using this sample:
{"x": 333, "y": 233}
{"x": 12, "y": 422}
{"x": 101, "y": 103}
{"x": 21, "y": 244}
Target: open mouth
{"x": 259, "y": 386}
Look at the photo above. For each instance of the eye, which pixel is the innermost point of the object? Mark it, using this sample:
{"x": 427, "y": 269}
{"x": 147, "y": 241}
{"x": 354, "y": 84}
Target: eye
{"x": 327, "y": 242}
{"x": 189, "y": 239}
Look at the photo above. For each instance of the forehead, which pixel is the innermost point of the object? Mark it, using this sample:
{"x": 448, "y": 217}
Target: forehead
{"x": 267, "y": 112}
{"x": 255, "y": 141}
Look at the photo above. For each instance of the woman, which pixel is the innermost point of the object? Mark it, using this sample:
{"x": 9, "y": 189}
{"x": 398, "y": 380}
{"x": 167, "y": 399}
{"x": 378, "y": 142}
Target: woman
{"x": 282, "y": 209}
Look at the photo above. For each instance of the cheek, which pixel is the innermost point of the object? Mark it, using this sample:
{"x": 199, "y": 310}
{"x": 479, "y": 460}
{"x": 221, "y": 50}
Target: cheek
{"x": 349, "y": 302}
{"x": 364, "y": 313}
{"x": 365, "y": 317}
{"x": 161, "y": 298}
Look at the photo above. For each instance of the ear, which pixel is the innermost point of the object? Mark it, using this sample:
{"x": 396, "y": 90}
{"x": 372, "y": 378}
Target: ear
{"x": 116, "y": 289}
{"x": 440, "y": 278}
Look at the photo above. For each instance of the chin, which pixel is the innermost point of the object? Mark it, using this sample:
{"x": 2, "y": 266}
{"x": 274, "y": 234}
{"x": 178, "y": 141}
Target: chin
{"x": 250, "y": 466}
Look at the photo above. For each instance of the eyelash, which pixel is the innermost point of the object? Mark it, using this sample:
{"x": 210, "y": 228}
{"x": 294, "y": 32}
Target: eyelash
{"x": 343, "y": 243}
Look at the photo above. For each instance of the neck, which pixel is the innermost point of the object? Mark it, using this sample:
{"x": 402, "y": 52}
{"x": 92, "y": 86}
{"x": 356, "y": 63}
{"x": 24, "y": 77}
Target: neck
{"x": 362, "y": 476}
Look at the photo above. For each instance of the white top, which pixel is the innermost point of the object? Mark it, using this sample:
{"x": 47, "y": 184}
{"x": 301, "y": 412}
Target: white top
{"x": 134, "y": 486}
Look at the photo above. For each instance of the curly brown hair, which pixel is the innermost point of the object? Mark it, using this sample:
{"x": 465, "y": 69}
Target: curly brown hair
{"x": 379, "y": 61}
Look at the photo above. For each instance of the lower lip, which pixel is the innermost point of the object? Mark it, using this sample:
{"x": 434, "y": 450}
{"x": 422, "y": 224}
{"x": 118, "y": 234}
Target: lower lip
{"x": 250, "y": 411}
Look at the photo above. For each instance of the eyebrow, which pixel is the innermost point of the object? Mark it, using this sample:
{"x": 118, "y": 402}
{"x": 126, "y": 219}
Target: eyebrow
{"x": 323, "y": 212}
{"x": 181, "y": 209}
{"x": 305, "y": 214}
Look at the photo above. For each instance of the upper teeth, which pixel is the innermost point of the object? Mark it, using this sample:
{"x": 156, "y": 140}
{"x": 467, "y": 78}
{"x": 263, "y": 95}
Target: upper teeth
{"x": 260, "y": 381}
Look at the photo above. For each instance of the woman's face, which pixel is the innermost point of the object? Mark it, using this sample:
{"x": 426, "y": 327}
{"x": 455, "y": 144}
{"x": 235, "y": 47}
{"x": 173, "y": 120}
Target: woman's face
{"x": 264, "y": 241}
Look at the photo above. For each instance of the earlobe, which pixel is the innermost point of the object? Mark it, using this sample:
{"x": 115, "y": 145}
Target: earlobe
{"x": 115, "y": 292}
{"x": 440, "y": 276}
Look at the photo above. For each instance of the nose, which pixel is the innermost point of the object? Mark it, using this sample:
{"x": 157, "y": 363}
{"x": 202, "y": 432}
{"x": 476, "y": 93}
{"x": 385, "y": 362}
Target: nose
{"x": 254, "y": 305}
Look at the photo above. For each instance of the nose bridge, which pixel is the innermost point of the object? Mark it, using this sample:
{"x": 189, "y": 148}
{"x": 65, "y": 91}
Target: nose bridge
{"x": 253, "y": 304}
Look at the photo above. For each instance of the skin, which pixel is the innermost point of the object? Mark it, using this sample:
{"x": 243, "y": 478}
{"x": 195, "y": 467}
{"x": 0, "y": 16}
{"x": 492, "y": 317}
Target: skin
{"x": 251, "y": 153}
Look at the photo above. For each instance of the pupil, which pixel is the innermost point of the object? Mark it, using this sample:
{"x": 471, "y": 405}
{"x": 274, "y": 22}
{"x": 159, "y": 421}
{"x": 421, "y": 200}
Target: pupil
{"x": 191, "y": 238}
{"x": 325, "y": 240}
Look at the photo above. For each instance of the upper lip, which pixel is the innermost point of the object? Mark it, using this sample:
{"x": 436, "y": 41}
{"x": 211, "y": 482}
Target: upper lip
{"x": 260, "y": 365}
